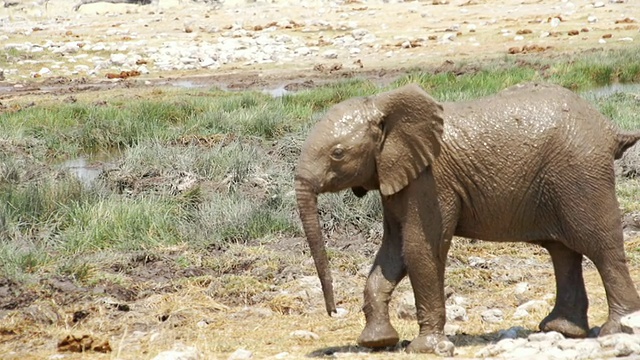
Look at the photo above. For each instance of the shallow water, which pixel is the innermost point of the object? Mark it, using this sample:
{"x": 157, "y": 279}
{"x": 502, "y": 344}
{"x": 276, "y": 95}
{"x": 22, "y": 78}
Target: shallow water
{"x": 86, "y": 173}
{"x": 612, "y": 89}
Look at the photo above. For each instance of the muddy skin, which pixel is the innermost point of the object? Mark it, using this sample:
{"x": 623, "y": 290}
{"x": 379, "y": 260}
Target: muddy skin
{"x": 511, "y": 167}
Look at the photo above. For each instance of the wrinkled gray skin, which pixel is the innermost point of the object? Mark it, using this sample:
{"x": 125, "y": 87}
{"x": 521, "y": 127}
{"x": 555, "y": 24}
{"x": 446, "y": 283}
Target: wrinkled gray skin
{"x": 533, "y": 163}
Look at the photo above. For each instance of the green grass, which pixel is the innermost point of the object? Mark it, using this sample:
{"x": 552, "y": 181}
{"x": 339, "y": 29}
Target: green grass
{"x": 232, "y": 185}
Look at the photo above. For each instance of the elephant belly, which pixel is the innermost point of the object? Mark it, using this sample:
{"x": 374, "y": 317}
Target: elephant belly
{"x": 507, "y": 216}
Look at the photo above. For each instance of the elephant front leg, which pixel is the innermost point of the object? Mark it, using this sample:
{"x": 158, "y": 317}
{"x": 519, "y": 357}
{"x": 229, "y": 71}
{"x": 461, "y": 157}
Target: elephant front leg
{"x": 387, "y": 271}
{"x": 426, "y": 271}
{"x": 425, "y": 250}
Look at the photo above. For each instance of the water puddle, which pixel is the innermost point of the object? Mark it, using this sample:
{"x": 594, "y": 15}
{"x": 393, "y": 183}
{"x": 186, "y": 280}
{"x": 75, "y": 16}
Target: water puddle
{"x": 277, "y": 92}
{"x": 186, "y": 84}
{"x": 85, "y": 172}
{"x": 609, "y": 90}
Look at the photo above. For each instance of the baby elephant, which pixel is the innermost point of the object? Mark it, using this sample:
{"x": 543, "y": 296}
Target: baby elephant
{"x": 532, "y": 163}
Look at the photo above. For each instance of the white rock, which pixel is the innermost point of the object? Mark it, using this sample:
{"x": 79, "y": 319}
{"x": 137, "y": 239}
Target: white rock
{"x": 598, "y": 4}
{"x": 588, "y": 347}
{"x": 330, "y": 54}
{"x": 208, "y": 62}
{"x": 368, "y": 39}
{"x": 551, "y": 336}
{"x": 359, "y": 34}
{"x": 340, "y": 312}
{"x": 304, "y": 335}
{"x": 631, "y": 323}
{"x": 70, "y": 47}
{"x": 406, "y": 44}
{"x": 451, "y": 329}
{"x": 555, "y": 22}
{"x": 530, "y": 305}
{"x": 610, "y": 341}
{"x": 459, "y": 300}
{"x": 44, "y": 71}
{"x": 180, "y": 352}
{"x": 523, "y": 353}
{"x": 518, "y": 38}
{"x": 303, "y": 51}
{"x": 592, "y": 19}
{"x": 407, "y": 306}
{"x": 282, "y": 355}
{"x": 521, "y": 288}
{"x": 354, "y": 51}
{"x": 520, "y": 313}
{"x": 476, "y": 262}
{"x": 118, "y": 59}
{"x": 456, "y": 313}
{"x": 602, "y": 41}
{"x": 492, "y": 316}
{"x": 240, "y": 354}
{"x": 567, "y": 344}
{"x": 626, "y": 348}
{"x": 626, "y": 39}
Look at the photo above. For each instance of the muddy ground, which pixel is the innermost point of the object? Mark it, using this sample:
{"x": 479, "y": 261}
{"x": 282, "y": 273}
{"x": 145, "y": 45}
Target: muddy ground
{"x": 154, "y": 303}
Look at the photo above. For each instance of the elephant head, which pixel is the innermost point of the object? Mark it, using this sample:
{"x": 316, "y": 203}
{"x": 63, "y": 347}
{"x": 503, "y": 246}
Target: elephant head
{"x": 380, "y": 142}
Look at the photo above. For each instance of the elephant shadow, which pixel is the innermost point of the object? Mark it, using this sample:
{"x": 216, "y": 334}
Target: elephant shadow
{"x": 459, "y": 340}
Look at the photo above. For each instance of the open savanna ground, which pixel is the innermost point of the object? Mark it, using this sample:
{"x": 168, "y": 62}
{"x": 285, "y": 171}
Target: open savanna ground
{"x": 135, "y": 220}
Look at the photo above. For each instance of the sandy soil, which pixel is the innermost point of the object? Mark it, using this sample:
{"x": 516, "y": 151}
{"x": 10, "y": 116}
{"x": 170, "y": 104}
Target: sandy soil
{"x": 161, "y": 305}
{"x": 483, "y": 29}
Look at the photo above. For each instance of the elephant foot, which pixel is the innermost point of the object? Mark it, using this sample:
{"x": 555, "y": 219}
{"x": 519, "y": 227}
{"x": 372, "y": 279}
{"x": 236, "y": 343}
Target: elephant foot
{"x": 378, "y": 335}
{"x": 573, "y": 329}
{"x": 435, "y": 343}
{"x": 612, "y": 326}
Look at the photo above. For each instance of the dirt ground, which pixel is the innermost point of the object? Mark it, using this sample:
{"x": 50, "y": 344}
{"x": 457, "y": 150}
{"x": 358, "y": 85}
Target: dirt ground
{"x": 160, "y": 304}
{"x": 482, "y": 28}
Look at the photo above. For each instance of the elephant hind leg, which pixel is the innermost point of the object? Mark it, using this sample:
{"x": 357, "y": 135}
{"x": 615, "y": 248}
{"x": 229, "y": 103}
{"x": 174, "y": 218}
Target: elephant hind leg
{"x": 597, "y": 234}
{"x": 569, "y": 315}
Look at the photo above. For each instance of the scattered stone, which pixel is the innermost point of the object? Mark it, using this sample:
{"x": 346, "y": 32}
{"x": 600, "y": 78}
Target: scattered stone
{"x": 607, "y": 36}
{"x": 631, "y": 323}
{"x": 592, "y": 19}
{"x": 330, "y": 54}
{"x": 118, "y": 59}
{"x": 304, "y": 335}
{"x": 521, "y": 288}
{"x": 180, "y": 352}
{"x": 451, "y": 329}
{"x": 445, "y": 348}
{"x": 240, "y": 354}
{"x": 626, "y": 39}
{"x": 551, "y": 336}
{"x": 492, "y": 316}
{"x": 456, "y": 313}
{"x": 598, "y": 4}
{"x": 538, "y": 305}
{"x": 573, "y": 32}
{"x": 520, "y": 313}
{"x": 477, "y": 262}
{"x": 523, "y": 32}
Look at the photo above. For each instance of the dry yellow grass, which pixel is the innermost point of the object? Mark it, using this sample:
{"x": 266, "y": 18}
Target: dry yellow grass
{"x": 193, "y": 317}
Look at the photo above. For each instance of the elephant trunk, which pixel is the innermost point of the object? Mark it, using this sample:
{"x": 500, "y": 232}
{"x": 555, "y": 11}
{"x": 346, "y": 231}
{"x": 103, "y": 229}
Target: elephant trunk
{"x": 308, "y": 207}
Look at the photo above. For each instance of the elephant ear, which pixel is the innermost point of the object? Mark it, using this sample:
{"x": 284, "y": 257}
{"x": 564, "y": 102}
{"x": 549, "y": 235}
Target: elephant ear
{"x": 412, "y": 131}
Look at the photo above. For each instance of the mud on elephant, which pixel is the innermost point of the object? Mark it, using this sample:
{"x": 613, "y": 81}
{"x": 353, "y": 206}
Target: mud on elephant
{"x": 532, "y": 163}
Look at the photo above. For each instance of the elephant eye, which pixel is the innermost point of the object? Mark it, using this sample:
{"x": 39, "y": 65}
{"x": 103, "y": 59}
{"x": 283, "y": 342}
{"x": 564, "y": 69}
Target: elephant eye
{"x": 337, "y": 153}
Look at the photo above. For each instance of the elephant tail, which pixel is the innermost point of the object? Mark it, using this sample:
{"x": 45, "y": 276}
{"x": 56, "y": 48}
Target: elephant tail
{"x": 624, "y": 141}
